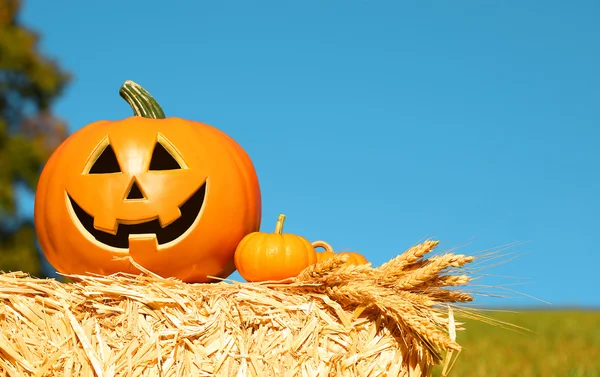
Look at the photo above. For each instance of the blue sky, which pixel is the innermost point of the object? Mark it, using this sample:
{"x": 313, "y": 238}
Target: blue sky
{"x": 375, "y": 124}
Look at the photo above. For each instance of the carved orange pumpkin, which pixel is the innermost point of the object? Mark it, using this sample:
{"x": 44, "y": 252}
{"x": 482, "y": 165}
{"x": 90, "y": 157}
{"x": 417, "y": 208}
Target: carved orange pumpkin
{"x": 273, "y": 256}
{"x": 174, "y": 195}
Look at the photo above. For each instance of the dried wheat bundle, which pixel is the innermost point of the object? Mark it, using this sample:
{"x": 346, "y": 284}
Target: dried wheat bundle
{"x": 332, "y": 319}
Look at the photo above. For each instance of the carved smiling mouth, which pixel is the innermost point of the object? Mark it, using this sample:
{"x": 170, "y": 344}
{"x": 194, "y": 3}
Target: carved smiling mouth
{"x": 189, "y": 212}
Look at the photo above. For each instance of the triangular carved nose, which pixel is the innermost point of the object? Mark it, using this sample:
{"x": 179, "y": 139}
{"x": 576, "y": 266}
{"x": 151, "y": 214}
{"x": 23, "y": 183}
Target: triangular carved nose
{"x": 135, "y": 192}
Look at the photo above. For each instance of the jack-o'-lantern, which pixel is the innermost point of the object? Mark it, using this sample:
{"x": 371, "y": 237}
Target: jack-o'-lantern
{"x": 173, "y": 196}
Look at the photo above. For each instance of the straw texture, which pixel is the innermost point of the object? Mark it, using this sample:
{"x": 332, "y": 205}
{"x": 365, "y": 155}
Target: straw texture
{"x": 332, "y": 320}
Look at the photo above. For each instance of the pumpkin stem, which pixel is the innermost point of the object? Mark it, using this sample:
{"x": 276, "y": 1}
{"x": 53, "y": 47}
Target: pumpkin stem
{"x": 324, "y": 245}
{"x": 279, "y": 225}
{"x": 142, "y": 103}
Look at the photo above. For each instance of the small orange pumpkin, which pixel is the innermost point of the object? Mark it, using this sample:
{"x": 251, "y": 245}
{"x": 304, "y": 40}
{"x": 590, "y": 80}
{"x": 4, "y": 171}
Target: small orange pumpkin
{"x": 174, "y": 195}
{"x": 273, "y": 256}
{"x": 323, "y": 255}
{"x": 353, "y": 257}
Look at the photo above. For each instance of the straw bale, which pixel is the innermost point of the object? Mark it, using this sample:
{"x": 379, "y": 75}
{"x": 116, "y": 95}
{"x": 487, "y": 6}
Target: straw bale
{"x": 333, "y": 319}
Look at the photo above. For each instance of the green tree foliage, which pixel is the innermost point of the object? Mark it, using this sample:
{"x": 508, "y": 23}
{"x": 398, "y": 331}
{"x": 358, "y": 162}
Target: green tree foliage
{"x": 29, "y": 83}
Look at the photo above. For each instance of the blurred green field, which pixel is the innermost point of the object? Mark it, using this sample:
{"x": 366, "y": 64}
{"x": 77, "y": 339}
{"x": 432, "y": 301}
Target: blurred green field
{"x": 559, "y": 344}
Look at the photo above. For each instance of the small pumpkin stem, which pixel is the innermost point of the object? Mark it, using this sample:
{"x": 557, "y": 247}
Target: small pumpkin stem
{"x": 279, "y": 225}
{"x": 142, "y": 103}
{"x": 324, "y": 245}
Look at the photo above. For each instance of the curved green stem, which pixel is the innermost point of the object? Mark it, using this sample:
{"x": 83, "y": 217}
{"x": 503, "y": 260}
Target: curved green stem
{"x": 279, "y": 225}
{"x": 142, "y": 103}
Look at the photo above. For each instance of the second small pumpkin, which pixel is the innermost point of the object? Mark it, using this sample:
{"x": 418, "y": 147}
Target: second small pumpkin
{"x": 323, "y": 255}
{"x": 353, "y": 257}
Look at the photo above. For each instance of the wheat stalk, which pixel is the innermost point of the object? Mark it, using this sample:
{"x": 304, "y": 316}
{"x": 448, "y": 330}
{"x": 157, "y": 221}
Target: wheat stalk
{"x": 431, "y": 270}
{"x": 409, "y": 257}
{"x": 409, "y": 289}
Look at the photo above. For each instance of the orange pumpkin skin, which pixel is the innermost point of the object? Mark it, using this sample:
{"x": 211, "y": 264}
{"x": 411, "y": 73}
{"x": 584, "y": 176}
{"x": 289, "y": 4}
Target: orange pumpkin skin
{"x": 273, "y": 256}
{"x": 210, "y": 163}
{"x": 354, "y": 258}
{"x": 323, "y": 256}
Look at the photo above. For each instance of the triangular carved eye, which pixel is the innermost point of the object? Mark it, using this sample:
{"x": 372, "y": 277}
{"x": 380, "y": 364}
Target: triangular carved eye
{"x": 106, "y": 162}
{"x": 162, "y": 159}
